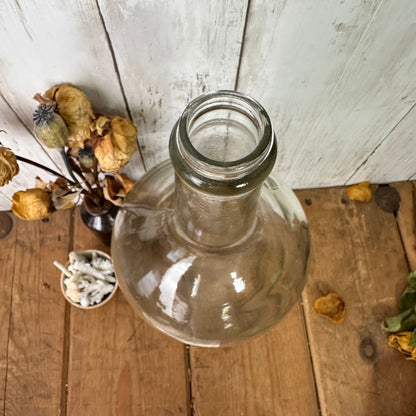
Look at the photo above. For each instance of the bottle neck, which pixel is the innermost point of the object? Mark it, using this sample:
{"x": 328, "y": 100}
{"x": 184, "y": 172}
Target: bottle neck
{"x": 222, "y": 148}
{"x": 214, "y": 220}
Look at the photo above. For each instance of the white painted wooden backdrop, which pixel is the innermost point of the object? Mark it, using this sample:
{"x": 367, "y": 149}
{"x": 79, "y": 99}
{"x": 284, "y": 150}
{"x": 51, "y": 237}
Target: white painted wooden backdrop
{"x": 338, "y": 77}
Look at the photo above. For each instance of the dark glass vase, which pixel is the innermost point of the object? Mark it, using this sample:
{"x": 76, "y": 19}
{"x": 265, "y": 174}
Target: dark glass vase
{"x": 99, "y": 218}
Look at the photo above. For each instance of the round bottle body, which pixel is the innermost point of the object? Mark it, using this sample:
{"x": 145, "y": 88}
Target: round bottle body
{"x": 202, "y": 295}
{"x": 210, "y": 248}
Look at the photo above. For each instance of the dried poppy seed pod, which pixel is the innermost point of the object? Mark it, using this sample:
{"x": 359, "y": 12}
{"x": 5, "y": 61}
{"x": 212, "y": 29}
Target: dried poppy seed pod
{"x": 32, "y": 204}
{"x": 86, "y": 157}
{"x": 49, "y": 127}
{"x": 76, "y": 110}
{"x": 8, "y": 165}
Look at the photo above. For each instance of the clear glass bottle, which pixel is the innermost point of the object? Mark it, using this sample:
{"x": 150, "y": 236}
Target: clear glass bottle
{"x": 209, "y": 247}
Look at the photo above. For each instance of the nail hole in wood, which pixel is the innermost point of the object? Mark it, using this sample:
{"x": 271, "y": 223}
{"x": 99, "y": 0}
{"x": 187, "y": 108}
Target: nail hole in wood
{"x": 6, "y": 225}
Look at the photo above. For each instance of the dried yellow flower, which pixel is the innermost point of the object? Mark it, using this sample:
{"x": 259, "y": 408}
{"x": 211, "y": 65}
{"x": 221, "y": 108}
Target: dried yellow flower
{"x": 331, "y": 306}
{"x": 32, "y": 204}
{"x": 114, "y": 142}
{"x": 76, "y": 110}
{"x": 400, "y": 341}
{"x": 8, "y": 165}
{"x": 360, "y": 192}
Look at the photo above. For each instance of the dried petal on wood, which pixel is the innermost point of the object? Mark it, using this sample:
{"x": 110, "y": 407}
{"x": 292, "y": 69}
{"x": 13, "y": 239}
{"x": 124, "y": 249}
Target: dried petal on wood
{"x": 401, "y": 341}
{"x": 331, "y": 306}
{"x": 360, "y": 192}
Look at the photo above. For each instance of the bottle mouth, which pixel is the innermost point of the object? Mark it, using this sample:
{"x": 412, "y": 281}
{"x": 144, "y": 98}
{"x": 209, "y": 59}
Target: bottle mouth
{"x": 223, "y": 140}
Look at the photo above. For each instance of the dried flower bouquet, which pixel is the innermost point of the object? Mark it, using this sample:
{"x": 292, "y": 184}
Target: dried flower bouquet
{"x": 93, "y": 147}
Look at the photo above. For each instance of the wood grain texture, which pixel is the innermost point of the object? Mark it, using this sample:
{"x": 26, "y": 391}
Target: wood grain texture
{"x": 44, "y": 44}
{"x": 7, "y": 259}
{"x": 16, "y": 137}
{"x": 119, "y": 365}
{"x": 368, "y": 100}
{"x": 36, "y": 334}
{"x": 394, "y": 159}
{"x": 334, "y": 77}
{"x": 169, "y": 52}
{"x": 406, "y": 219}
{"x": 356, "y": 253}
{"x": 301, "y": 58}
{"x": 270, "y": 375}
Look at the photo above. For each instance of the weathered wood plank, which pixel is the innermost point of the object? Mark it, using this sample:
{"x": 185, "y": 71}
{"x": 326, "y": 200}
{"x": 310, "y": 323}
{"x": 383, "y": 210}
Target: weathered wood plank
{"x": 293, "y": 57}
{"x": 394, "y": 159}
{"x": 168, "y": 53}
{"x": 36, "y": 335}
{"x": 270, "y": 375}
{"x": 4, "y": 202}
{"x": 357, "y": 253}
{"x": 47, "y": 44}
{"x": 358, "y": 117}
{"x": 7, "y": 259}
{"x": 334, "y": 77}
{"x": 119, "y": 365}
{"x": 406, "y": 220}
{"x": 56, "y": 42}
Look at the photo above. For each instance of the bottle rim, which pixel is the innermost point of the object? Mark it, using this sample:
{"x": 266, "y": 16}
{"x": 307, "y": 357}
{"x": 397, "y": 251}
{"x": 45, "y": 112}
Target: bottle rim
{"x": 232, "y": 100}
{"x": 223, "y": 177}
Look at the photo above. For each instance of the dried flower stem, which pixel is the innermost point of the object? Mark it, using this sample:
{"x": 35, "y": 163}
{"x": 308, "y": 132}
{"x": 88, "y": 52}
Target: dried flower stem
{"x": 38, "y": 165}
{"x": 42, "y": 100}
{"x": 68, "y": 166}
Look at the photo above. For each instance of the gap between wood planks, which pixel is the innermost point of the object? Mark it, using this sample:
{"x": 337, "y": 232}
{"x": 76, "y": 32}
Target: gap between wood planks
{"x": 10, "y": 321}
{"x": 117, "y": 71}
{"x": 406, "y": 219}
{"x": 67, "y": 328}
{"x": 28, "y": 130}
{"x": 312, "y": 364}
{"x": 188, "y": 378}
{"x": 240, "y": 58}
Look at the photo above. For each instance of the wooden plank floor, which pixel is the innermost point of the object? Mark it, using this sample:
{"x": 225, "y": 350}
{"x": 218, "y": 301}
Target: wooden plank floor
{"x": 59, "y": 360}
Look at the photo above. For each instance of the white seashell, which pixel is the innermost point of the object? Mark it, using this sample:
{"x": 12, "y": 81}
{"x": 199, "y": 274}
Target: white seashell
{"x": 87, "y": 282}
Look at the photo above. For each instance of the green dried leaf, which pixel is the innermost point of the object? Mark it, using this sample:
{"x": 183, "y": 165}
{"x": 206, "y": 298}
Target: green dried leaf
{"x": 405, "y": 321}
{"x": 407, "y": 299}
{"x": 411, "y": 278}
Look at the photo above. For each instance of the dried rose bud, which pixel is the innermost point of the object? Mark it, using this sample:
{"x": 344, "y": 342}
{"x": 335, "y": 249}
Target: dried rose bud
{"x": 49, "y": 127}
{"x": 76, "y": 110}
{"x": 114, "y": 142}
{"x": 360, "y": 192}
{"x": 8, "y": 165}
{"x": 331, "y": 306}
{"x": 401, "y": 341}
{"x": 32, "y": 204}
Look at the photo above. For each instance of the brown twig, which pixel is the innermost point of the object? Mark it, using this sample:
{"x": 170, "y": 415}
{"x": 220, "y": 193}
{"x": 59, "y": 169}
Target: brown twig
{"x": 42, "y": 100}
{"x": 38, "y": 165}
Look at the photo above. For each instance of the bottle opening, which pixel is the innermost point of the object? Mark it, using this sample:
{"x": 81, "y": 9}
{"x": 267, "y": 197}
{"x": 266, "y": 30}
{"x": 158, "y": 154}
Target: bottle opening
{"x": 224, "y": 143}
{"x": 224, "y": 135}
{"x": 225, "y": 128}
